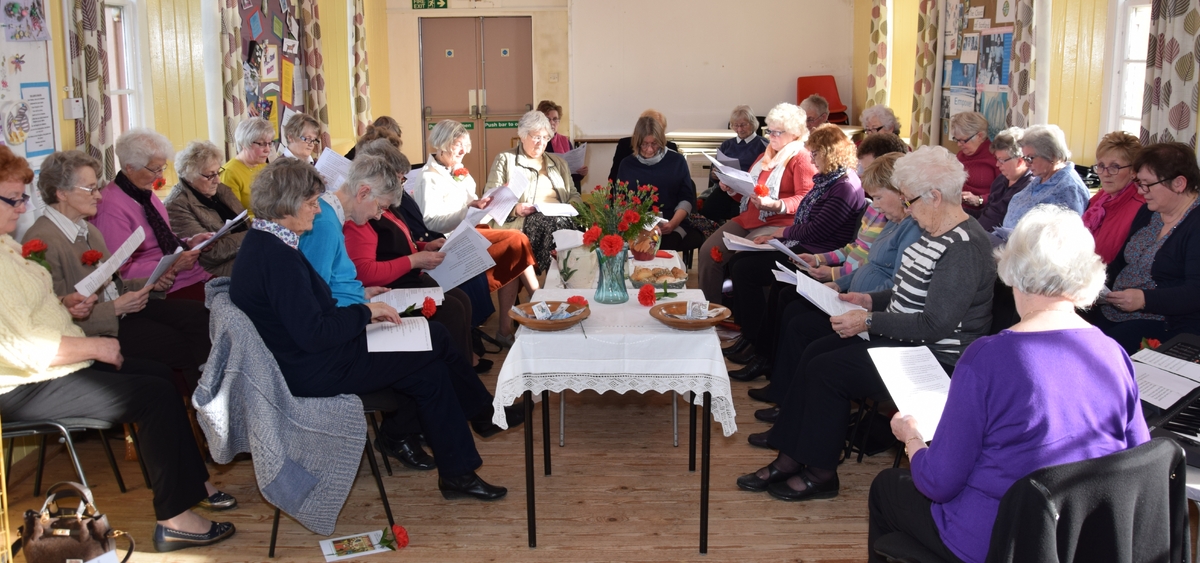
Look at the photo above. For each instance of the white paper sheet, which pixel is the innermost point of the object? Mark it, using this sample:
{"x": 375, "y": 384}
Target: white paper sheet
{"x": 916, "y": 381}
{"x": 826, "y": 299}
{"x": 504, "y": 198}
{"x": 401, "y": 299}
{"x": 1159, "y": 387}
{"x": 740, "y": 181}
{"x": 474, "y": 217}
{"x": 1190, "y": 370}
{"x": 466, "y": 257}
{"x": 778, "y": 245}
{"x": 566, "y": 239}
{"x": 224, "y": 230}
{"x": 728, "y": 160}
{"x": 334, "y": 168}
{"x": 557, "y": 209}
{"x": 784, "y": 274}
{"x": 105, "y": 270}
{"x": 411, "y": 335}
{"x": 735, "y": 242}
{"x": 576, "y": 158}
{"x": 352, "y": 546}
{"x": 164, "y": 264}
{"x": 411, "y": 180}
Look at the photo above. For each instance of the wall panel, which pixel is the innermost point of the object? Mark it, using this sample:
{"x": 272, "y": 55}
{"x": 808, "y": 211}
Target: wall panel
{"x": 1077, "y": 73}
{"x": 335, "y": 56}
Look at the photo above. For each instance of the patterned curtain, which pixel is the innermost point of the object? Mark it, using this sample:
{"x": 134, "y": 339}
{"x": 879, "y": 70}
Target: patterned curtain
{"x": 89, "y": 80}
{"x": 362, "y": 98}
{"x": 232, "y": 86}
{"x": 1171, "y": 93}
{"x": 879, "y": 76}
{"x": 926, "y": 73}
{"x": 1021, "y": 78}
{"x": 314, "y": 97}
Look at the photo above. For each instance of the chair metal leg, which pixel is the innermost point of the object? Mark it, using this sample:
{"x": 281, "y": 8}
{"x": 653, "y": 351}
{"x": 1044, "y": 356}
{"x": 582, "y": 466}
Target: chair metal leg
{"x": 71, "y": 452}
{"x": 691, "y": 431}
{"x": 387, "y": 507}
{"x": 8, "y": 455}
{"x": 530, "y": 511}
{"x": 899, "y": 455}
{"x": 37, "y": 478}
{"x": 387, "y": 465}
{"x": 137, "y": 448}
{"x": 862, "y": 445}
{"x": 274, "y": 534}
{"x": 545, "y": 429}
{"x": 112, "y": 461}
{"x": 704, "y": 472}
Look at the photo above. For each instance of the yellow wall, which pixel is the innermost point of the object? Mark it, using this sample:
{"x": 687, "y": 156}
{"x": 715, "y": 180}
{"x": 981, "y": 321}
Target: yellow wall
{"x": 1077, "y": 73}
{"x": 335, "y": 56}
{"x": 903, "y": 28}
{"x": 380, "y": 88}
{"x": 176, "y": 72}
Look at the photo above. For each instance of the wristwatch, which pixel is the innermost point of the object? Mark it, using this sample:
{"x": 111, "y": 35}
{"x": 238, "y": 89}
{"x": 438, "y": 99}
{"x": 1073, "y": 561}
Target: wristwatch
{"x": 868, "y": 321}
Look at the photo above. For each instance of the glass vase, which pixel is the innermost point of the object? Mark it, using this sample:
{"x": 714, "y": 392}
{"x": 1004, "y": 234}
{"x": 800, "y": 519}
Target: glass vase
{"x": 610, "y": 284}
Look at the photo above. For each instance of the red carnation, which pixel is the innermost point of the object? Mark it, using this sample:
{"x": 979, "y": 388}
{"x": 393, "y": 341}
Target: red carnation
{"x": 632, "y": 216}
{"x": 646, "y": 295}
{"x": 401, "y": 535}
{"x": 592, "y": 235}
{"x": 35, "y": 245}
{"x": 654, "y": 198}
{"x": 610, "y": 245}
{"x": 654, "y": 209}
{"x": 761, "y": 190}
{"x": 91, "y": 257}
{"x": 716, "y": 255}
{"x": 428, "y": 308}
{"x": 622, "y": 226}
{"x": 637, "y": 200}
{"x": 577, "y": 300}
{"x": 159, "y": 183}
{"x": 459, "y": 173}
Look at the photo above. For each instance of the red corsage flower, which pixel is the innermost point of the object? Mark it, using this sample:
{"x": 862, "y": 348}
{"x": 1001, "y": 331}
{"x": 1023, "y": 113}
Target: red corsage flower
{"x": 32, "y": 247}
{"x": 459, "y": 173}
{"x": 428, "y": 308}
{"x": 577, "y": 300}
{"x": 646, "y": 295}
{"x": 92, "y": 257}
{"x": 761, "y": 190}
{"x": 592, "y": 235}
{"x": 610, "y": 245}
{"x": 716, "y": 255}
{"x": 159, "y": 183}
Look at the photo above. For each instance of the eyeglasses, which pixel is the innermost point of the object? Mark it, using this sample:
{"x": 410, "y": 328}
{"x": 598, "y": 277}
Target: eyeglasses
{"x": 774, "y": 133}
{"x": 909, "y": 202}
{"x": 1101, "y": 169}
{"x": 873, "y": 130}
{"x": 261, "y": 144}
{"x": 156, "y": 171}
{"x": 540, "y": 138}
{"x": 309, "y": 140}
{"x": 19, "y": 201}
{"x": 1028, "y": 159}
{"x": 1006, "y": 160}
{"x": 313, "y": 204}
{"x": 554, "y": 119}
{"x": 963, "y": 141}
{"x": 90, "y": 190}
{"x": 213, "y": 177}
{"x": 1140, "y": 185}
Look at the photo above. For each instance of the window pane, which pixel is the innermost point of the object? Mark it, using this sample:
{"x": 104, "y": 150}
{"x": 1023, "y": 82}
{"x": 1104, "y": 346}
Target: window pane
{"x": 1131, "y": 126}
{"x": 116, "y": 49}
{"x": 121, "y": 111}
{"x": 1132, "y": 81}
{"x": 1138, "y": 35}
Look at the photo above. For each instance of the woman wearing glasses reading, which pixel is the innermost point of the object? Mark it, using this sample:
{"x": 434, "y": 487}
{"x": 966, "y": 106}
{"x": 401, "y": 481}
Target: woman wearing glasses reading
{"x": 129, "y": 202}
{"x": 252, "y": 138}
{"x": 1055, "y": 181}
{"x": 1110, "y": 212}
{"x": 200, "y": 203}
{"x": 302, "y": 134}
{"x": 970, "y": 131}
{"x": 1156, "y": 278}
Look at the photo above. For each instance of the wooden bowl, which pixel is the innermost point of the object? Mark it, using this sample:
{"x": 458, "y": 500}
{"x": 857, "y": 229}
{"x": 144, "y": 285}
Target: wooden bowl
{"x": 550, "y": 326}
{"x": 680, "y": 308}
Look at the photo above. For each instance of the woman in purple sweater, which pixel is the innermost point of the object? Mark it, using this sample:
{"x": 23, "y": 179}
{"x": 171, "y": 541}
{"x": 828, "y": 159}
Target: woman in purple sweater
{"x": 1014, "y": 404}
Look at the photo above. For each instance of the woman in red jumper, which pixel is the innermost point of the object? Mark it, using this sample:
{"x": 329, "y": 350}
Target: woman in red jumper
{"x": 970, "y": 131}
{"x": 1110, "y": 212}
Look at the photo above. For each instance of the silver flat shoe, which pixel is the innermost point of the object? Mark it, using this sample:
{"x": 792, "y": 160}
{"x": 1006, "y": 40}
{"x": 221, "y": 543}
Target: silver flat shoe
{"x": 219, "y": 500}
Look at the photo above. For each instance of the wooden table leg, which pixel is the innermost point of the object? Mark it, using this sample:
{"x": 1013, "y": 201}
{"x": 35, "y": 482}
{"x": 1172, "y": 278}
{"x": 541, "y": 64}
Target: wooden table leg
{"x": 704, "y": 473}
{"x": 529, "y": 503}
{"x": 546, "y": 429}
{"x": 691, "y": 431}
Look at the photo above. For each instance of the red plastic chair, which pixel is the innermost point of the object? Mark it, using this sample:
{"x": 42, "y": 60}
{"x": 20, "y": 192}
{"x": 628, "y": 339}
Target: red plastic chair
{"x": 826, "y": 86}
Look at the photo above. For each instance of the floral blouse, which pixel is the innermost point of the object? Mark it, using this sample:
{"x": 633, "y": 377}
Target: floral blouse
{"x": 1140, "y": 251}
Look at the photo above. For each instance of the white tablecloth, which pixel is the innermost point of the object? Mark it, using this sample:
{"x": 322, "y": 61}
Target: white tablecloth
{"x": 618, "y": 348}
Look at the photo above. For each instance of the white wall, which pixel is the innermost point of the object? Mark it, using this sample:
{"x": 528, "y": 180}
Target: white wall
{"x": 694, "y": 60}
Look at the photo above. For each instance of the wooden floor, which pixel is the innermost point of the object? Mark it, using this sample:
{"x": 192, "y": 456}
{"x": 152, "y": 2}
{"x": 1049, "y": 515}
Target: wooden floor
{"x": 619, "y": 492}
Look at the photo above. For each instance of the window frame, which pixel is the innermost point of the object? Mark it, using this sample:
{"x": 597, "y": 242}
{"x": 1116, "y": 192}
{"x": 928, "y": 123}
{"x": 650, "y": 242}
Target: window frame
{"x": 1117, "y": 43}
{"x": 137, "y": 62}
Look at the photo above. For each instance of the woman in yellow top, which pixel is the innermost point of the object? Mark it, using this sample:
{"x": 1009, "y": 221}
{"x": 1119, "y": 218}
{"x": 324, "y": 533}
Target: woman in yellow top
{"x": 49, "y": 369}
{"x": 549, "y": 180}
{"x": 253, "y": 141}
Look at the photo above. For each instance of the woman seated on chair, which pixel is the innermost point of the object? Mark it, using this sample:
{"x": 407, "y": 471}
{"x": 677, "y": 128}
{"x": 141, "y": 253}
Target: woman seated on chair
{"x": 48, "y": 369}
{"x": 200, "y": 203}
{"x": 170, "y": 331}
{"x": 746, "y": 145}
{"x": 322, "y": 348}
{"x": 1015, "y": 404}
{"x": 1044, "y": 149}
{"x": 1111, "y": 211}
{"x": 667, "y": 171}
{"x": 941, "y": 297}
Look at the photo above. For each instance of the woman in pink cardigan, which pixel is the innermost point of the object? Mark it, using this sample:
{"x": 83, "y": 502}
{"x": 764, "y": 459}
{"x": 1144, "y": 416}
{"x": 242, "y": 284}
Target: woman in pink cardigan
{"x": 129, "y": 202}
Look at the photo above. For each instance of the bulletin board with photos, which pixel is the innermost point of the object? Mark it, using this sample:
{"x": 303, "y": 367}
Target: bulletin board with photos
{"x": 977, "y": 46}
{"x": 273, "y": 66}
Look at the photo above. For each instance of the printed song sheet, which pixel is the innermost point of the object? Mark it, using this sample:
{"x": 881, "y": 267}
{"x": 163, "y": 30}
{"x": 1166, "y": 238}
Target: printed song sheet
{"x": 785, "y": 274}
{"x": 474, "y": 217}
{"x": 334, "y": 168}
{"x": 916, "y": 381}
{"x": 735, "y": 242}
{"x": 224, "y": 230}
{"x": 576, "y": 157}
{"x": 1160, "y": 387}
{"x": 411, "y": 335}
{"x": 1174, "y": 365}
{"x": 164, "y": 265}
{"x": 349, "y": 547}
{"x": 826, "y": 299}
{"x": 401, "y": 299}
{"x": 504, "y": 198}
{"x": 104, "y": 272}
{"x": 557, "y": 209}
{"x": 728, "y": 160}
{"x": 740, "y": 181}
{"x": 778, "y": 245}
{"x": 466, "y": 257}
{"x": 411, "y": 180}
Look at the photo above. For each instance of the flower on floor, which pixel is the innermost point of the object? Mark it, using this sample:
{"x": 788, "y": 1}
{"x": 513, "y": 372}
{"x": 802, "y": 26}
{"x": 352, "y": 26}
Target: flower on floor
{"x": 647, "y": 295}
{"x": 91, "y": 257}
{"x": 35, "y": 250}
{"x": 761, "y": 190}
{"x": 428, "y": 308}
{"x": 610, "y": 245}
{"x": 577, "y": 300}
{"x": 394, "y": 538}
{"x": 716, "y": 255}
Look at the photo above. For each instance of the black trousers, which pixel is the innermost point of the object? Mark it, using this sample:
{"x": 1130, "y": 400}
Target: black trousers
{"x": 446, "y": 390}
{"x": 693, "y": 240}
{"x": 896, "y": 505}
{"x": 177, "y": 472}
{"x": 719, "y": 207}
{"x": 169, "y": 331}
{"x": 801, "y": 324}
{"x": 455, "y": 312}
{"x": 751, "y": 275}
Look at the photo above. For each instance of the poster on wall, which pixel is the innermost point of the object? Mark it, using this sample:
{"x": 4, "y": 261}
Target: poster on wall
{"x": 970, "y": 49}
{"x": 995, "y": 54}
{"x": 25, "y": 20}
{"x": 994, "y": 107}
{"x": 39, "y": 119}
{"x": 270, "y": 64}
{"x": 1006, "y": 11}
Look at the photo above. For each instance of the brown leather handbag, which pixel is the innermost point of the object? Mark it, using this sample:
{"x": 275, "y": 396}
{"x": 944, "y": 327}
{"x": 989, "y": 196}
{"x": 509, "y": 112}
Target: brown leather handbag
{"x": 71, "y": 530}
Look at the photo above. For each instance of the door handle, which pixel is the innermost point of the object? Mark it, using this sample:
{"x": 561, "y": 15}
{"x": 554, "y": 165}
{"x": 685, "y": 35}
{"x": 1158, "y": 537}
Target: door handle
{"x": 428, "y": 111}
{"x": 528, "y": 107}
{"x": 473, "y": 103}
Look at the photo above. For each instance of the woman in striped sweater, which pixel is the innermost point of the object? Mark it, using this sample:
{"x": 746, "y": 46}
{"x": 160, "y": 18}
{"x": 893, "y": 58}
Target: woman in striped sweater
{"x": 942, "y": 298}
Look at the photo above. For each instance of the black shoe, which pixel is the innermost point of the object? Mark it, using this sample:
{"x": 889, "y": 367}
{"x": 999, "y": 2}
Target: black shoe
{"x": 827, "y": 489}
{"x": 219, "y": 501}
{"x": 408, "y": 450}
{"x": 751, "y": 482}
{"x": 759, "y": 440}
{"x": 744, "y": 357}
{"x": 483, "y": 366}
{"x": 738, "y": 347}
{"x": 166, "y": 539}
{"x": 761, "y": 394}
{"x": 769, "y": 414}
{"x": 469, "y": 485}
{"x": 514, "y": 415}
{"x": 757, "y": 368}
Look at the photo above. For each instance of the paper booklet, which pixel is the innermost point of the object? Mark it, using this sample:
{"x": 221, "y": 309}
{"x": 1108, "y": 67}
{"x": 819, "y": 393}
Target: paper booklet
{"x": 826, "y": 299}
{"x": 224, "y": 230}
{"x": 164, "y": 264}
{"x": 917, "y": 383}
{"x": 743, "y": 244}
{"x": 729, "y": 161}
{"x": 348, "y": 547}
{"x": 1164, "y": 380}
{"x": 105, "y": 270}
{"x": 401, "y": 299}
{"x": 778, "y": 245}
{"x": 411, "y": 335}
{"x": 740, "y": 181}
{"x": 557, "y": 209}
{"x": 334, "y": 169}
{"x": 466, "y": 257}
{"x": 576, "y": 157}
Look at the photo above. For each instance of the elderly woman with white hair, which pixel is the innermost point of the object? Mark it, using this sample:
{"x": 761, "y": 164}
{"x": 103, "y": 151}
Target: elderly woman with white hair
{"x": 1055, "y": 180}
{"x": 129, "y": 202}
{"x": 785, "y": 171}
{"x": 746, "y": 146}
{"x": 301, "y": 135}
{"x": 970, "y": 131}
{"x": 879, "y": 119}
{"x": 941, "y": 298}
{"x": 252, "y": 139}
{"x": 549, "y": 180}
{"x": 1014, "y": 405}
{"x": 200, "y": 203}
{"x": 1014, "y": 177}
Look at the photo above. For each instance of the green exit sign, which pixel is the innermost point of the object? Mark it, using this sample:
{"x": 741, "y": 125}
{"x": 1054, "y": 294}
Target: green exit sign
{"x": 429, "y": 4}
{"x": 500, "y": 125}
{"x": 468, "y": 125}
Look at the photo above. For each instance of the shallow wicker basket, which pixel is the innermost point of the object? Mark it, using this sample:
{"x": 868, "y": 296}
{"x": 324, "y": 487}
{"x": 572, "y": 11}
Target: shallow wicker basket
{"x": 680, "y": 308}
{"x": 550, "y": 326}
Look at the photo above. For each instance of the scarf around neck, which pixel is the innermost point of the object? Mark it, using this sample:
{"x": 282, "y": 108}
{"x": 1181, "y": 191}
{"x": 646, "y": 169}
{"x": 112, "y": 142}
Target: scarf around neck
{"x": 167, "y": 241}
{"x": 658, "y": 156}
{"x": 214, "y": 203}
{"x": 776, "y": 163}
{"x": 1093, "y": 217}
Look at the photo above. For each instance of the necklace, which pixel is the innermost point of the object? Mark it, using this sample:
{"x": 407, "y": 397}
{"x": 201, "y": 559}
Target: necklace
{"x": 1036, "y": 311}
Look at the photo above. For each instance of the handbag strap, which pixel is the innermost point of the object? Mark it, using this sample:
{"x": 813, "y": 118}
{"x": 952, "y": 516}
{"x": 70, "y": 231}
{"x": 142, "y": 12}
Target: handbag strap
{"x": 115, "y": 533}
{"x": 69, "y": 489}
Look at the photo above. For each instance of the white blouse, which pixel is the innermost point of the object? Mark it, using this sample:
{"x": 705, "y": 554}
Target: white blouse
{"x": 442, "y": 199}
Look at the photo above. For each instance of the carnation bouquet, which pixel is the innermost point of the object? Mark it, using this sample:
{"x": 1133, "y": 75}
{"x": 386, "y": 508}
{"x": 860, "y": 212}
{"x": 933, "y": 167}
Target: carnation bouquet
{"x": 615, "y": 215}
